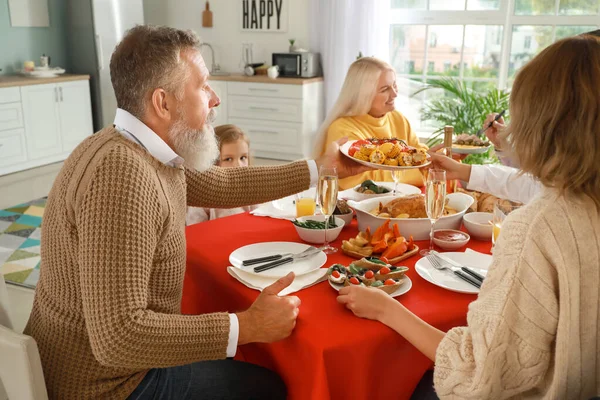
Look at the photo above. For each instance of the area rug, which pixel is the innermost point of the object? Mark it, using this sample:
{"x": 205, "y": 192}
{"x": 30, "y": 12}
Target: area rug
{"x": 20, "y": 233}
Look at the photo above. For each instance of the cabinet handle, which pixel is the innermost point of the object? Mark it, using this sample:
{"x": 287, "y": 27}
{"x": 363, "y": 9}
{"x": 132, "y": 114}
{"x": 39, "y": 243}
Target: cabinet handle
{"x": 263, "y": 90}
{"x": 61, "y": 95}
{"x": 263, "y": 131}
{"x": 263, "y": 108}
{"x": 56, "y": 95}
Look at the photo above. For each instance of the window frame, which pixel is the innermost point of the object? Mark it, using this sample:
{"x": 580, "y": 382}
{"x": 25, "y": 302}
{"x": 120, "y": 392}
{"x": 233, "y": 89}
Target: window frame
{"x": 504, "y": 17}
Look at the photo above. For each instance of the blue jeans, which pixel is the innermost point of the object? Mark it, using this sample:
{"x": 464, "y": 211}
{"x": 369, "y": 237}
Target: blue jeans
{"x": 424, "y": 390}
{"x": 221, "y": 379}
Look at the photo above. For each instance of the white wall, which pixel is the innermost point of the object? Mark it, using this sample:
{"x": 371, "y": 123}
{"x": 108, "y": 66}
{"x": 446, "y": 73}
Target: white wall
{"x": 226, "y": 35}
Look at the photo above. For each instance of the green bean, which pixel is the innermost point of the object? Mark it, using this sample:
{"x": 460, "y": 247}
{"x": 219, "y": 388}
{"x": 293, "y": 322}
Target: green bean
{"x": 310, "y": 224}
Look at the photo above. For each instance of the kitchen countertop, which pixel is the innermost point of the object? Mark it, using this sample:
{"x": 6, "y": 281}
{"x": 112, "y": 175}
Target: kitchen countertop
{"x": 19, "y": 80}
{"x": 264, "y": 79}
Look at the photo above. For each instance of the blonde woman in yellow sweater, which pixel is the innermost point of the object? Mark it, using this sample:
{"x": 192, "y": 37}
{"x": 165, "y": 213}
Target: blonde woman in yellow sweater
{"x": 365, "y": 109}
{"x": 533, "y": 330}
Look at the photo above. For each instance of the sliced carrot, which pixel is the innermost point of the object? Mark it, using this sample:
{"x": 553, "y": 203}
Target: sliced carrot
{"x": 411, "y": 243}
{"x": 396, "y": 230}
{"x": 380, "y": 232}
{"x": 396, "y": 250}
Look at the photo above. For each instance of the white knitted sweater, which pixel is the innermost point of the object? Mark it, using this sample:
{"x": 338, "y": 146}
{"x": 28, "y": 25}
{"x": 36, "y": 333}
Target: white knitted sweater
{"x": 533, "y": 331}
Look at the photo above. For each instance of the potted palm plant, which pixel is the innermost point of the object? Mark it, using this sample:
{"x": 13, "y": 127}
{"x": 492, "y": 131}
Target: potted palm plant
{"x": 463, "y": 108}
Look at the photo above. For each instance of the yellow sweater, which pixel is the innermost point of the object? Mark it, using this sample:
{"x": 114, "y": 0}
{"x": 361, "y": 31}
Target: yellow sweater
{"x": 391, "y": 125}
{"x": 107, "y": 306}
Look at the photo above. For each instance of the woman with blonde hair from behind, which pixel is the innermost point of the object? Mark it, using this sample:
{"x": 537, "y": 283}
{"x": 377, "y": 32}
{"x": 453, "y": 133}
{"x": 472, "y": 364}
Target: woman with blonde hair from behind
{"x": 365, "y": 109}
{"x": 533, "y": 330}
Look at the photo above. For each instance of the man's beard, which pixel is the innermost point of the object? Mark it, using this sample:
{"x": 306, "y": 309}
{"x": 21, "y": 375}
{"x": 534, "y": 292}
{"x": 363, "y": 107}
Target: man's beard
{"x": 198, "y": 147}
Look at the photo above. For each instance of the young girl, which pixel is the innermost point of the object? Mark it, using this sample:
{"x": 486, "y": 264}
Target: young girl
{"x": 234, "y": 148}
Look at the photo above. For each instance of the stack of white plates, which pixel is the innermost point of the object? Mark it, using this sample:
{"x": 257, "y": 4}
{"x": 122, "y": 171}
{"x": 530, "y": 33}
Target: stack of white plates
{"x": 40, "y": 72}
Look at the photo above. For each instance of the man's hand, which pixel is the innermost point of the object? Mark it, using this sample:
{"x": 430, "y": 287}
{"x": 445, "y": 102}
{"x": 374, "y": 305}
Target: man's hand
{"x": 492, "y": 132}
{"x": 454, "y": 169}
{"x": 333, "y": 157}
{"x": 270, "y": 318}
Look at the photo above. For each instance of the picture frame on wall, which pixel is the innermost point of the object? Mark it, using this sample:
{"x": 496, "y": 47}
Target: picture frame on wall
{"x": 30, "y": 13}
{"x": 264, "y": 15}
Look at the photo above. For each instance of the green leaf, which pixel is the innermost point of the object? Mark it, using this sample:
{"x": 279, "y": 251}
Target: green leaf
{"x": 457, "y": 105}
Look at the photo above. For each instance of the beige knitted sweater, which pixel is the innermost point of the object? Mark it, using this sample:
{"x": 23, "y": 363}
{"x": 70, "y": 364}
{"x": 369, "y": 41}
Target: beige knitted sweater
{"x": 533, "y": 330}
{"x": 107, "y": 305}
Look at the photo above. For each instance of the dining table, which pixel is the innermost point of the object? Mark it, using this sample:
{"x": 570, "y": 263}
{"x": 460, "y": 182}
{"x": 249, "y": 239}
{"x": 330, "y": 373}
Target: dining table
{"x": 331, "y": 353}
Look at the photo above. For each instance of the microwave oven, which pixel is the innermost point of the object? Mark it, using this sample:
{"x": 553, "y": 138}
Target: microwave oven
{"x": 297, "y": 65}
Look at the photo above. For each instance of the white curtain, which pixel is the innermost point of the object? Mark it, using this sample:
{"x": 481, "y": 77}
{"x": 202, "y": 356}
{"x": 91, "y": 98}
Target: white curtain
{"x": 340, "y": 29}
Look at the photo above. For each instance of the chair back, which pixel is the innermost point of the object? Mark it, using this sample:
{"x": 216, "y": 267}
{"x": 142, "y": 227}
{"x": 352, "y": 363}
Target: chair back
{"x": 20, "y": 365}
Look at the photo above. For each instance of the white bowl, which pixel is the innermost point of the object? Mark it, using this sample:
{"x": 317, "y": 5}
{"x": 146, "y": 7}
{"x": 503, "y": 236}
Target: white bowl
{"x": 419, "y": 228}
{"x": 403, "y": 189}
{"x": 451, "y": 244}
{"x": 478, "y": 224}
{"x": 346, "y": 217}
{"x": 318, "y": 235}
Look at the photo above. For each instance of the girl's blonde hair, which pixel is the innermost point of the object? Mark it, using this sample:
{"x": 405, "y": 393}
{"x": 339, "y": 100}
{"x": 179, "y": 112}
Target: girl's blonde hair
{"x": 229, "y": 133}
{"x": 356, "y": 96}
{"x": 554, "y": 130}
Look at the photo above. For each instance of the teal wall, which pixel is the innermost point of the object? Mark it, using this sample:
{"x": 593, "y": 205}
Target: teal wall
{"x": 23, "y": 44}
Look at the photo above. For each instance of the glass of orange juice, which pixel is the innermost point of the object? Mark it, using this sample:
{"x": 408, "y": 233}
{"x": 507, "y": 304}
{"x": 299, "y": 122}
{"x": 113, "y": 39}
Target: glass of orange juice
{"x": 501, "y": 210}
{"x": 305, "y": 206}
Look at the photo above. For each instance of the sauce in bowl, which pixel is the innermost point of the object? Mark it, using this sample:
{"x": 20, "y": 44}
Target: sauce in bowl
{"x": 450, "y": 236}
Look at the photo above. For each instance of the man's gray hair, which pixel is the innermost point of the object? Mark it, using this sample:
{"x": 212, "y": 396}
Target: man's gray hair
{"x": 147, "y": 58}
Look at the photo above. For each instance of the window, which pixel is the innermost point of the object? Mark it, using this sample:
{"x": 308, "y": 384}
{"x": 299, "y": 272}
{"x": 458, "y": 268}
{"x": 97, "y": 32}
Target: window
{"x": 483, "y": 43}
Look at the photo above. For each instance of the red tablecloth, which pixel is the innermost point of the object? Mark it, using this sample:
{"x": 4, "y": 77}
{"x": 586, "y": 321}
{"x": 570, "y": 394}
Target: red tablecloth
{"x": 331, "y": 353}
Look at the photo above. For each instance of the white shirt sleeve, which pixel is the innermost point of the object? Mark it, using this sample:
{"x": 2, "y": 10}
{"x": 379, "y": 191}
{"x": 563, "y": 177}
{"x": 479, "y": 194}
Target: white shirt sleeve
{"x": 504, "y": 182}
{"x": 234, "y": 334}
{"x": 314, "y": 172}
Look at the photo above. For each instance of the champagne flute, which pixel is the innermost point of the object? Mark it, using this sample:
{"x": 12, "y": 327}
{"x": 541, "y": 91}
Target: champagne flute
{"x": 396, "y": 177}
{"x": 327, "y": 192}
{"x": 435, "y": 200}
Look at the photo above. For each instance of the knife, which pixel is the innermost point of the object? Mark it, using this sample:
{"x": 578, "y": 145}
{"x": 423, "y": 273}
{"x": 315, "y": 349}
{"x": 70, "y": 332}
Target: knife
{"x": 455, "y": 264}
{"x": 468, "y": 279}
{"x": 283, "y": 261}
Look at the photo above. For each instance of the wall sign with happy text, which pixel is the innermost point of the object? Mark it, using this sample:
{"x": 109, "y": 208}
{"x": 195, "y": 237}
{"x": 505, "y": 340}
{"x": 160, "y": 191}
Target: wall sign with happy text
{"x": 264, "y": 15}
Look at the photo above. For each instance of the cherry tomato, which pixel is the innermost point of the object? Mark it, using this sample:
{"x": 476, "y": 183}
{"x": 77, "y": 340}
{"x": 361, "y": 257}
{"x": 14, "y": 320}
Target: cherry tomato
{"x": 354, "y": 281}
{"x": 369, "y": 274}
{"x": 356, "y": 146}
{"x": 390, "y": 282}
{"x": 384, "y": 259}
{"x": 384, "y": 270}
{"x": 335, "y": 274}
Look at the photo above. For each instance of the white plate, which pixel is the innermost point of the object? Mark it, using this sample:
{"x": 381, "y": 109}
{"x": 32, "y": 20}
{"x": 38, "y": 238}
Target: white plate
{"x": 287, "y": 204}
{"x": 403, "y": 190}
{"x": 257, "y": 250}
{"x": 470, "y": 150}
{"x": 346, "y": 146}
{"x": 446, "y": 278}
{"x": 44, "y": 73}
{"x": 405, "y": 287}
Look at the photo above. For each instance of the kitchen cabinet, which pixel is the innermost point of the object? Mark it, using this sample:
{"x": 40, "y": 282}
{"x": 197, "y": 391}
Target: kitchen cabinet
{"x": 42, "y": 121}
{"x": 280, "y": 116}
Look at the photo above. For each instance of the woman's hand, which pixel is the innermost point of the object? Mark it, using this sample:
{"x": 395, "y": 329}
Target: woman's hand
{"x": 333, "y": 157}
{"x": 375, "y": 304}
{"x": 492, "y": 132}
{"x": 454, "y": 169}
{"x": 365, "y": 302}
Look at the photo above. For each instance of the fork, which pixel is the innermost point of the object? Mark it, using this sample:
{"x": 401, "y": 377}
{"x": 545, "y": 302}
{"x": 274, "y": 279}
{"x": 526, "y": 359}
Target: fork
{"x": 437, "y": 265}
{"x": 275, "y": 257}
